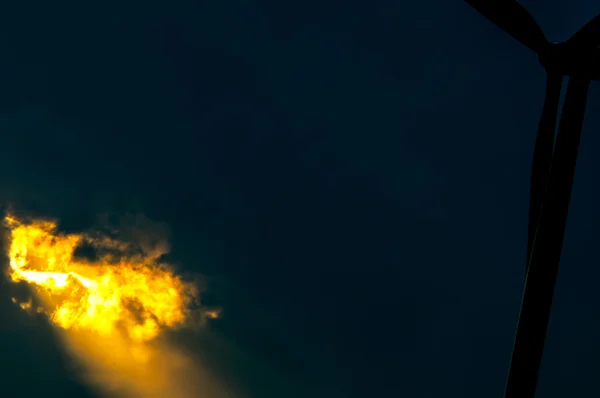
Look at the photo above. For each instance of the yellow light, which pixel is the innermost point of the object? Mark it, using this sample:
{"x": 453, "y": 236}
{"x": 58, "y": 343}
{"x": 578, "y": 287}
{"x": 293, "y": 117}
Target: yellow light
{"x": 135, "y": 294}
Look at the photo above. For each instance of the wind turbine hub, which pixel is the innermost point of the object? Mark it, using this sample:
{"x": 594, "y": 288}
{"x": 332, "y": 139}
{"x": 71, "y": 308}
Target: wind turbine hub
{"x": 563, "y": 59}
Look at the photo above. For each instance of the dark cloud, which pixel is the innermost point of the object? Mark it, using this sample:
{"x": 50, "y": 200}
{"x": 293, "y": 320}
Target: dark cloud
{"x": 350, "y": 179}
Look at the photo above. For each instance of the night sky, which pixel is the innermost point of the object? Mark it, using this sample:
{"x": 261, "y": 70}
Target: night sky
{"x": 350, "y": 177}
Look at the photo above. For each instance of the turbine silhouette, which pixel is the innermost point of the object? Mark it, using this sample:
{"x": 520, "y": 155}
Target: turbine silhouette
{"x": 552, "y": 173}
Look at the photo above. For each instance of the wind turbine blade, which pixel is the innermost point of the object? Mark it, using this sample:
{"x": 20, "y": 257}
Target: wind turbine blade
{"x": 588, "y": 37}
{"x": 547, "y": 247}
{"x": 514, "y": 19}
{"x": 542, "y": 154}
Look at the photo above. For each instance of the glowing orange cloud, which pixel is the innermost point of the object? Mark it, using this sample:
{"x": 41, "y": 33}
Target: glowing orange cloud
{"x": 130, "y": 292}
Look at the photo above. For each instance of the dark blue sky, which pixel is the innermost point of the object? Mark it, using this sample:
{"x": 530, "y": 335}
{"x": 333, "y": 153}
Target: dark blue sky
{"x": 351, "y": 178}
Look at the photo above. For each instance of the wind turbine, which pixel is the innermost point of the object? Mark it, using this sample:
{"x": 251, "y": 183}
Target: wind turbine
{"x": 552, "y": 173}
